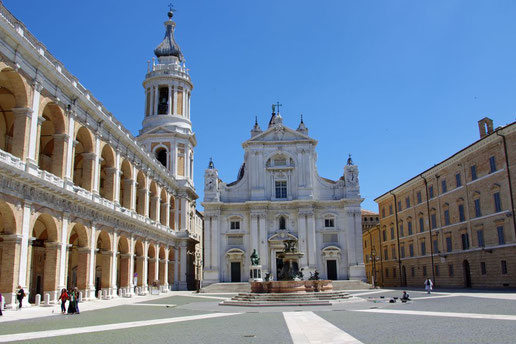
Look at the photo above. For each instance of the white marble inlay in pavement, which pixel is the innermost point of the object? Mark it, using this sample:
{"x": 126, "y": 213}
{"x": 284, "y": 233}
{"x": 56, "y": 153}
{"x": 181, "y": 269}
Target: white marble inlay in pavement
{"x": 441, "y": 314}
{"x": 309, "y": 328}
{"x": 100, "y": 328}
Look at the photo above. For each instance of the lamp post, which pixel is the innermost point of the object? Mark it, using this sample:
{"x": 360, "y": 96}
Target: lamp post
{"x": 373, "y": 259}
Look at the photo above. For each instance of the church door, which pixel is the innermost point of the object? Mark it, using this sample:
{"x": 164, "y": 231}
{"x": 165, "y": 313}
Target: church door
{"x": 235, "y": 272}
{"x": 331, "y": 265}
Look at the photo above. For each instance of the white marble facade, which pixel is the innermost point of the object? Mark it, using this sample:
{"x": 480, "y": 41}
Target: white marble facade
{"x": 279, "y": 195}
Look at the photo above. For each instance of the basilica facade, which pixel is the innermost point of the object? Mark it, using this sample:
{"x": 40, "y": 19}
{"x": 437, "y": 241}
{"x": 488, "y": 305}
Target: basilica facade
{"x": 84, "y": 203}
{"x": 279, "y": 196}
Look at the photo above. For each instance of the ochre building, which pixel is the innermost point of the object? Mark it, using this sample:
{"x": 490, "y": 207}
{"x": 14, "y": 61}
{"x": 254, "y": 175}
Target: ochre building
{"x": 83, "y": 203}
{"x": 454, "y": 222}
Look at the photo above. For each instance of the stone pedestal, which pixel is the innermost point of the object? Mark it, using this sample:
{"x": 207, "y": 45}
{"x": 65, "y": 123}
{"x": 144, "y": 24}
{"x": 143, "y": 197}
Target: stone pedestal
{"x": 255, "y": 273}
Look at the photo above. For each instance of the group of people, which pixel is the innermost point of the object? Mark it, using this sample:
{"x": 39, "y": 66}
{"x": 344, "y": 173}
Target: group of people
{"x": 72, "y": 296}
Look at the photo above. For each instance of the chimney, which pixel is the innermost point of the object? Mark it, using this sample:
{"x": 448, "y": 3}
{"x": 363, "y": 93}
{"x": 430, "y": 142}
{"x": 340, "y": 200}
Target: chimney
{"x": 485, "y": 127}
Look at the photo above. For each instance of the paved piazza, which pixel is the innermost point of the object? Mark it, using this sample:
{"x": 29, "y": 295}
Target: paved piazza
{"x": 182, "y": 317}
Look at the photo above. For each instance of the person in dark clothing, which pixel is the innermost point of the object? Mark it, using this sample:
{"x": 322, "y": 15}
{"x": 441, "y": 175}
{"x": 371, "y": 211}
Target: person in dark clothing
{"x": 76, "y": 291}
{"x": 1, "y": 304}
{"x": 71, "y": 304}
{"x": 63, "y": 297}
{"x": 20, "y": 294}
{"x": 405, "y": 297}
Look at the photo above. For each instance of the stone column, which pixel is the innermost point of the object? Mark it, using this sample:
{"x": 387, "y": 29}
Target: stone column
{"x": 187, "y": 162}
{"x": 114, "y": 266}
{"x": 9, "y": 269}
{"x": 125, "y": 271}
{"x": 302, "y": 243}
{"x": 264, "y": 244}
{"x": 184, "y": 102}
{"x": 156, "y": 99}
{"x": 254, "y": 243}
{"x": 176, "y": 267}
{"x": 89, "y": 167}
{"x": 70, "y": 149}
{"x": 175, "y": 99}
{"x": 63, "y": 258}
{"x": 131, "y": 265}
{"x": 182, "y": 268}
{"x": 21, "y": 131}
{"x": 33, "y": 136}
{"x": 165, "y": 214}
{"x": 96, "y": 166}
{"x": 24, "y": 247}
{"x": 107, "y": 264}
{"x": 184, "y": 213}
{"x": 91, "y": 271}
{"x": 170, "y": 97}
{"x": 118, "y": 177}
{"x": 311, "y": 242}
{"x": 167, "y": 251}
{"x": 351, "y": 237}
{"x": 145, "y": 272}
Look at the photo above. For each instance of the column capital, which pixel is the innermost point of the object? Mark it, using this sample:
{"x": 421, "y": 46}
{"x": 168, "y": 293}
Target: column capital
{"x": 61, "y": 137}
{"x": 22, "y": 112}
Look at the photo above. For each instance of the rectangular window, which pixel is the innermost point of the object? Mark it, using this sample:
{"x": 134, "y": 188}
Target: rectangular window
{"x": 458, "y": 181}
{"x": 462, "y": 217}
{"x": 446, "y": 217}
{"x": 393, "y": 252}
{"x": 413, "y": 271}
{"x": 423, "y": 248}
{"x": 407, "y": 202}
{"x": 393, "y": 272}
{"x": 433, "y": 217}
{"x": 409, "y": 225}
{"x": 401, "y": 230}
{"x": 474, "y": 172}
{"x": 449, "y": 246}
{"x": 418, "y": 196}
{"x": 383, "y": 212}
{"x": 504, "y": 267}
{"x": 281, "y": 189}
{"x": 390, "y": 209}
{"x": 436, "y": 245}
{"x": 399, "y": 206}
{"x": 424, "y": 270}
{"x": 465, "y": 241}
{"x": 444, "y": 187}
{"x": 392, "y": 233}
{"x": 431, "y": 191}
{"x": 235, "y": 225}
{"x": 501, "y": 237}
{"x": 437, "y": 270}
{"x": 450, "y": 270}
{"x": 402, "y": 250}
{"x": 483, "y": 269}
{"x": 497, "y": 202}
{"x": 411, "y": 250}
{"x": 234, "y": 240}
{"x": 478, "y": 210}
{"x": 480, "y": 238}
{"x": 385, "y": 254}
{"x": 492, "y": 164}
{"x": 384, "y": 235}
{"x": 329, "y": 223}
{"x": 421, "y": 225}
{"x": 386, "y": 272}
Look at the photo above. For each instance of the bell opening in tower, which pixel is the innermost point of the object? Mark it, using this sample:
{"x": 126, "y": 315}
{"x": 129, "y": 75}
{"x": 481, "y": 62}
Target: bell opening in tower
{"x": 163, "y": 101}
{"x": 161, "y": 156}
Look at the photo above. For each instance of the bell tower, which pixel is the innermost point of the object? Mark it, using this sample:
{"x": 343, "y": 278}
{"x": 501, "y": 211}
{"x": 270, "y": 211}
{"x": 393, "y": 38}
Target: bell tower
{"x": 166, "y": 128}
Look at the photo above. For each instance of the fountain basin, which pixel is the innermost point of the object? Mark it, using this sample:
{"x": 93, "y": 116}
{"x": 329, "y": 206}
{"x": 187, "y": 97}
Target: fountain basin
{"x": 291, "y": 286}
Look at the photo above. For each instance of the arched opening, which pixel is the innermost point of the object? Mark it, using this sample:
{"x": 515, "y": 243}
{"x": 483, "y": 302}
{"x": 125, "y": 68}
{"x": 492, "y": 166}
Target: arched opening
{"x": 13, "y": 123}
{"x": 103, "y": 258}
{"x": 171, "y": 253}
{"x": 52, "y": 140}
{"x": 151, "y": 265}
{"x": 83, "y": 160}
{"x": 161, "y": 156}
{"x": 123, "y": 260}
{"x": 107, "y": 173}
{"x": 138, "y": 263}
{"x": 7, "y": 251}
{"x": 153, "y": 201}
{"x": 126, "y": 184}
{"x": 467, "y": 274}
{"x": 172, "y": 223}
{"x": 44, "y": 258}
{"x": 161, "y": 269}
{"x": 282, "y": 222}
{"x": 78, "y": 258}
{"x": 141, "y": 195}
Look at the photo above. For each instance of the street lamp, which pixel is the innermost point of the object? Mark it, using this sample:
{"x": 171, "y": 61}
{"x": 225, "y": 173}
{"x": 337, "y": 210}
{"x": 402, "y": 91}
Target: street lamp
{"x": 373, "y": 259}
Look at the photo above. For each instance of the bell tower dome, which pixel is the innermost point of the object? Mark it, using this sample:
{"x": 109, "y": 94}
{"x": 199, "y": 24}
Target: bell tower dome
{"x": 166, "y": 128}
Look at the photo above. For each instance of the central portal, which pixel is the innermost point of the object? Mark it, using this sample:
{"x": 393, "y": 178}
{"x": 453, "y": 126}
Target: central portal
{"x": 279, "y": 265}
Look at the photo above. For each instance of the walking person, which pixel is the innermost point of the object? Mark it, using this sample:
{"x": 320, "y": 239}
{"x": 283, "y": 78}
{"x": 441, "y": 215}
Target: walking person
{"x": 71, "y": 304}
{"x": 76, "y": 291}
{"x": 63, "y": 297}
{"x": 428, "y": 285}
{"x": 20, "y": 294}
{"x": 1, "y": 304}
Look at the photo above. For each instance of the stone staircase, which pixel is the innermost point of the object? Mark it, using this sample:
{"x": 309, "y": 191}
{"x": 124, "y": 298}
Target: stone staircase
{"x": 286, "y": 299}
{"x": 214, "y": 288}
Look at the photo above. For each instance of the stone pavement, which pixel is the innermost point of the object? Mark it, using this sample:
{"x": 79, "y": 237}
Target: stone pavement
{"x": 446, "y": 316}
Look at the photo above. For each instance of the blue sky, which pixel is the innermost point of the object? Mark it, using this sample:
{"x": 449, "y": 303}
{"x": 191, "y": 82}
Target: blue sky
{"x": 399, "y": 84}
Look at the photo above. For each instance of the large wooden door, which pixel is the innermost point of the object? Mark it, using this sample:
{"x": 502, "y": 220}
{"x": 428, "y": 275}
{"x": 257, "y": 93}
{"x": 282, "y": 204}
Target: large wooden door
{"x": 235, "y": 272}
{"x": 331, "y": 265}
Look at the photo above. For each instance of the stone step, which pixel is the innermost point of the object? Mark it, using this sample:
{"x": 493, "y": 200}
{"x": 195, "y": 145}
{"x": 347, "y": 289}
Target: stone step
{"x": 227, "y": 288}
{"x": 275, "y": 303}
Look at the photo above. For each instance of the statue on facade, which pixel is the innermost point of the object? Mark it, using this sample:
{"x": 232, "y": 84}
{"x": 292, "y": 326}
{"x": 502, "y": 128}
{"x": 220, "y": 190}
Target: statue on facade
{"x": 255, "y": 259}
{"x": 289, "y": 246}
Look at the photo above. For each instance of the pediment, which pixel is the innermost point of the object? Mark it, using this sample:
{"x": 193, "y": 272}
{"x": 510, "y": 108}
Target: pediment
{"x": 160, "y": 130}
{"x": 280, "y": 132}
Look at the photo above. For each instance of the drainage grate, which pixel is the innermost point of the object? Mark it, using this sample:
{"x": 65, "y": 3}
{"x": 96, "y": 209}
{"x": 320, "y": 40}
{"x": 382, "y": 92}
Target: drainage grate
{"x": 249, "y": 336}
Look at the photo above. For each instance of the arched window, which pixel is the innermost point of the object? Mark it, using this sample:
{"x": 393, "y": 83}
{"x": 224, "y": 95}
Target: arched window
{"x": 282, "y": 223}
{"x": 161, "y": 156}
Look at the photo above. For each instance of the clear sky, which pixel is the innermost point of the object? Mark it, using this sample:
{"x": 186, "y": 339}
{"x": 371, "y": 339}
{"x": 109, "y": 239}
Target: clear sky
{"x": 399, "y": 84}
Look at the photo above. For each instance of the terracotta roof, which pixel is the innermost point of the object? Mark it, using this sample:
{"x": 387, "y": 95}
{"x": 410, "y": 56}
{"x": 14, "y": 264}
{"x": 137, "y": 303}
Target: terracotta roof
{"x": 368, "y": 212}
